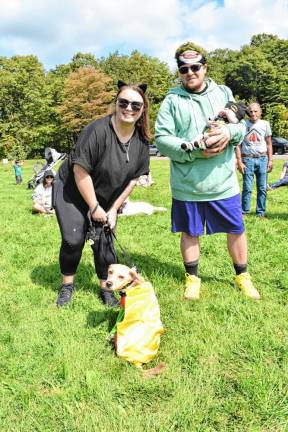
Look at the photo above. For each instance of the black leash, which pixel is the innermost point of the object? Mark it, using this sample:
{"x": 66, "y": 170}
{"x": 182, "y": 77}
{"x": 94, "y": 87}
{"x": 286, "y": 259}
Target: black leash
{"x": 95, "y": 234}
{"x": 124, "y": 253}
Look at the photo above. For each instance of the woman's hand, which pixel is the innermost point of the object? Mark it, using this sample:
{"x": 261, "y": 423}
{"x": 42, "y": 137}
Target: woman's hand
{"x": 99, "y": 215}
{"x": 112, "y": 217}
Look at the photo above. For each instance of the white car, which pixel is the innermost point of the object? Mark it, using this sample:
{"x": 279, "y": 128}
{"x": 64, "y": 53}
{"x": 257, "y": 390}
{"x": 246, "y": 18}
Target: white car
{"x": 153, "y": 150}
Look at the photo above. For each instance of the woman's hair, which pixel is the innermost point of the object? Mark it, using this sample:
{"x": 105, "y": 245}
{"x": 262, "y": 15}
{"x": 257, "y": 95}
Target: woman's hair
{"x": 44, "y": 182}
{"x": 47, "y": 174}
{"x": 142, "y": 123}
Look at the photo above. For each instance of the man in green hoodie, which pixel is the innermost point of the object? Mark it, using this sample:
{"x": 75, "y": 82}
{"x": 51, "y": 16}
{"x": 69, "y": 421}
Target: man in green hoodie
{"x": 204, "y": 185}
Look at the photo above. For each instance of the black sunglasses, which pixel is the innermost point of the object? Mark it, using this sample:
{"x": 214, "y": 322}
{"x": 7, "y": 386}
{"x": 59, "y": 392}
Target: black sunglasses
{"x": 124, "y": 103}
{"x": 194, "y": 68}
{"x": 49, "y": 177}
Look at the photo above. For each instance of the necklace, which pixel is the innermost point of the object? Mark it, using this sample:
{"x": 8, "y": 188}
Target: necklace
{"x": 126, "y": 148}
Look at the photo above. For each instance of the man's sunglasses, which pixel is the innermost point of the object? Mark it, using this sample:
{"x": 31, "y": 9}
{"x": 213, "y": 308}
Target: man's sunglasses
{"x": 194, "y": 68}
{"x": 124, "y": 103}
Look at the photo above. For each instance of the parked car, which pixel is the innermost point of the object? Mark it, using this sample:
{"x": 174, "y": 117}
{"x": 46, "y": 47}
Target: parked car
{"x": 280, "y": 145}
{"x": 153, "y": 150}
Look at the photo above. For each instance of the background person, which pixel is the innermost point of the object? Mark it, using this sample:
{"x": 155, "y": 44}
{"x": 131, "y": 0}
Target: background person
{"x": 42, "y": 196}
{"x": 283, "y": 178}
{"x": 254, "y": 157}
{"x": 18, "y": 171}
{"x": 204, "y": 185}
{"x": 98, "y": 176}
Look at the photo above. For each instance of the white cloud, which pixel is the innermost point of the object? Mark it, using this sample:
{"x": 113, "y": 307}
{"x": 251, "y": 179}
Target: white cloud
{"x": 55, "y": 30}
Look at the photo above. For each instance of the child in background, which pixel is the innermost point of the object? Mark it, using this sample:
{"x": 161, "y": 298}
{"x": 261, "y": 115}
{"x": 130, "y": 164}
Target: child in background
{"x": 18, "y": 171}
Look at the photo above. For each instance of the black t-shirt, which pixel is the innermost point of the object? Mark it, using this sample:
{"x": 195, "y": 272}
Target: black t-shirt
{"x": 110, "y": 164}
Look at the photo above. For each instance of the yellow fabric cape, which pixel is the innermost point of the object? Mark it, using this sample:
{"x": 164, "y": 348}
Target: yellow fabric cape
{"x": 138, "y": 335}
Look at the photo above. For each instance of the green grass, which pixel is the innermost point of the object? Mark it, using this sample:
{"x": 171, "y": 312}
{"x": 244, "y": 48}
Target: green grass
{"x": 226, "y": 356}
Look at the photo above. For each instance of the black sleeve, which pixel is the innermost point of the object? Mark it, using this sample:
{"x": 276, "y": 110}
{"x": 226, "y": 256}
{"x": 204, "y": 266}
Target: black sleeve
{"x": 86, "y": 152}
{"x": 143, "y": 166}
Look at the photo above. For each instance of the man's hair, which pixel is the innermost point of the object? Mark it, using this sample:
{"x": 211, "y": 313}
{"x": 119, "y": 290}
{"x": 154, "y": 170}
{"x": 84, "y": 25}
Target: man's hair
{"x": 190, "y": 46}
{"x": 254, "y": 103}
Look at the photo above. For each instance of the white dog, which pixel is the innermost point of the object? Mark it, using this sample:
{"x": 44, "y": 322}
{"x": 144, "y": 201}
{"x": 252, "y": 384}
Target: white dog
{"x": 130, "y": 208}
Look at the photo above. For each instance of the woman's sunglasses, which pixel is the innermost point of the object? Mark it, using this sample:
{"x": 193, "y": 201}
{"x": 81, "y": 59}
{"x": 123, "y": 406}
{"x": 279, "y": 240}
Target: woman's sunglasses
{"x": 124, "y": 103}
{"x": 49, "y": 177}
{"x": 194, "y": 68}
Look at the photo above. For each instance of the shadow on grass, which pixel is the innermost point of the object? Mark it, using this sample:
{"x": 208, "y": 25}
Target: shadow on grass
{"x": 251, "y": 216}
{"x": 150, "y": 264}
{"x": 283, "y": 216}
{"x": 49, "y": 277}
{"x": 96, "y": 318}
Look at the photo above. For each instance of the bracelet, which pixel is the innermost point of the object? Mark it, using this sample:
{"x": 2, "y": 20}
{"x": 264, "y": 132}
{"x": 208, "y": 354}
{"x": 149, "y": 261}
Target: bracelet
{"x": 94, "y": 209}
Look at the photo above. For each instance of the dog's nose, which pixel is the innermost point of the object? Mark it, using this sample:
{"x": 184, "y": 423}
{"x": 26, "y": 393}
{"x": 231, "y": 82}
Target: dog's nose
{"x": 109, "y": 284}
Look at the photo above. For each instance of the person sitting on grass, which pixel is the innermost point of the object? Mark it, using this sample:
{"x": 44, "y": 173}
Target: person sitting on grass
{"x": 42, "y": 196}
{"x": 283, "y": 181}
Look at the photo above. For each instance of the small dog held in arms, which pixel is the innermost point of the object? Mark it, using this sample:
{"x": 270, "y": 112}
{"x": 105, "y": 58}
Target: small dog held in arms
{"x": 138, "y": 328}
{"x": 232, "y": 113}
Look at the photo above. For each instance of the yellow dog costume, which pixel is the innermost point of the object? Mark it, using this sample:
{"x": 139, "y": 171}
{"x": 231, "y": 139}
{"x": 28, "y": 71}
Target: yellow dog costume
{"x": 138, "y": 327}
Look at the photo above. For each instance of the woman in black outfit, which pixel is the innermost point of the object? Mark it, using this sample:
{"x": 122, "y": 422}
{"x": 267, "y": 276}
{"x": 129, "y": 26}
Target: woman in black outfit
{"x": 98, "y": 176}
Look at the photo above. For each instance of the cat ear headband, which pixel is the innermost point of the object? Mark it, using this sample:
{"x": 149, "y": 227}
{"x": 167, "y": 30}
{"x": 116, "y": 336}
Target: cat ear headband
{"x": 142, "y": 86}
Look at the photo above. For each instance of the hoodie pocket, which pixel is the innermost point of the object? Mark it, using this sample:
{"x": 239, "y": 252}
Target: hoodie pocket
{"x": 200, "y": 178}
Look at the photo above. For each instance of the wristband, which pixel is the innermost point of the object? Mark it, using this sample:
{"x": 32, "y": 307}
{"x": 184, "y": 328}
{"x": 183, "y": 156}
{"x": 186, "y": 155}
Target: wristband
{"x": 94, "y": 209}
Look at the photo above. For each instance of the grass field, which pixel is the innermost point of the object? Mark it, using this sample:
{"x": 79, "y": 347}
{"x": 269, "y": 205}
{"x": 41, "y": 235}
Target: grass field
{"x": 226, "y": 356}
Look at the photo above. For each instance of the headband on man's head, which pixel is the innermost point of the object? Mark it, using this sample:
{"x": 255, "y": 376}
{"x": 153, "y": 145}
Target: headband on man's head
{"x": 142, "y": 86}
{"x": 190, "y": 57}
{"x": 189, "y": 53}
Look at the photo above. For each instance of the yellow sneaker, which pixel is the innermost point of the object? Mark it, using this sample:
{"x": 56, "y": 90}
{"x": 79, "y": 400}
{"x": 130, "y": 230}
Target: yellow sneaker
{"x": 192, "y": 287}
{"x": 244, "y": 283}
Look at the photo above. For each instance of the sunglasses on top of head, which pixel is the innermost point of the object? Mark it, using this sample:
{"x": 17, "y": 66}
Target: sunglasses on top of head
{"x": 124, "y": 103}
{"x": 194, "y": 68}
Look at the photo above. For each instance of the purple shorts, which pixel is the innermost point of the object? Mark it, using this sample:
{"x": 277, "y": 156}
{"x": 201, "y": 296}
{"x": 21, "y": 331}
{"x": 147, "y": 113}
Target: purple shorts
{"x": 222, "y": 216}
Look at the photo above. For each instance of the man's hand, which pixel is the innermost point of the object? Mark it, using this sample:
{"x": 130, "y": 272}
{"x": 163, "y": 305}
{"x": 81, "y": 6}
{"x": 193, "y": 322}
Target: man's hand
{"x": 216, "y": 141}
{"x": 269, "y": 165}
{"x": 241, "y": 166}
{"x": 100, "y": 215}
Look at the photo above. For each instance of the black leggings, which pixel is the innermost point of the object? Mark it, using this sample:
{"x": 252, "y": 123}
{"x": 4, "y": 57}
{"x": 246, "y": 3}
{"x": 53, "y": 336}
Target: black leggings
{"x": 74, "y": 223}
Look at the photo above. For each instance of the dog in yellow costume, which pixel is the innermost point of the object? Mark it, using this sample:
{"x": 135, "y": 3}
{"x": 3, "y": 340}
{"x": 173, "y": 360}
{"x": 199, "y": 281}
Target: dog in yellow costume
{"x": 138, "y": 327}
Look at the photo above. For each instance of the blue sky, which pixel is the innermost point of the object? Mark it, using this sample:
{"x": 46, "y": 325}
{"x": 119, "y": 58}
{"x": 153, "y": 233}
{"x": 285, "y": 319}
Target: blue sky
{"x": 55, "y": 30}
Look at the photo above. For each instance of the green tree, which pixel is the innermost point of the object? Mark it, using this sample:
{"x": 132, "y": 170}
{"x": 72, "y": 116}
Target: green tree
{"x": 83, "y": 60}
{"x": 250, "y": 75}
{"x": 25, "y": 107}
{"x": 218, "y": 60}
{"x": 277, "y": 115}
{"x": 261, "y": 39}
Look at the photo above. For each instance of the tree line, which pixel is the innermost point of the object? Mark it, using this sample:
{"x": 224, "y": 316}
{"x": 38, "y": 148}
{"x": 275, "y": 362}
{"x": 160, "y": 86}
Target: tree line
{"x": 41, "y": 108}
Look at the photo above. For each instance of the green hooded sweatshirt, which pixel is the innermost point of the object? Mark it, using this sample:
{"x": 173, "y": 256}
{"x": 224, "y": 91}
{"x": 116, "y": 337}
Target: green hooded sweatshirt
{"x": 182, "y": 117}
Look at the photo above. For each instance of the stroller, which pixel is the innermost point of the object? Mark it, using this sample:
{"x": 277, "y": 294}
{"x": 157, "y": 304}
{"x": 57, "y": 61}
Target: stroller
{"x": 52, "y": 159}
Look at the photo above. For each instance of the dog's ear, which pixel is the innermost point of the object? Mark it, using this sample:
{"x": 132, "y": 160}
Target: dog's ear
{"x": 136, "y": 277}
